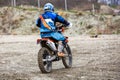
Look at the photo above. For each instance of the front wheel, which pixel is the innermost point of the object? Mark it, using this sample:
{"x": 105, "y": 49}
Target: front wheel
{"x": 43, "y": 60}
{"x": 67, "y": 60}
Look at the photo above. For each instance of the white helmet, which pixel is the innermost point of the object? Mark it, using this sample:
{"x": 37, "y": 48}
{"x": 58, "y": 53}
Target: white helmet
{"x": 48, "y": 7}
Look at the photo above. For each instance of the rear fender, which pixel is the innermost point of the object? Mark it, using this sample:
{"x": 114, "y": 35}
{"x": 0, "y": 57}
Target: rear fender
{"x": 42, "y": 42}
{"x": 46, "y": 42}
{"x": 38, "y": 41}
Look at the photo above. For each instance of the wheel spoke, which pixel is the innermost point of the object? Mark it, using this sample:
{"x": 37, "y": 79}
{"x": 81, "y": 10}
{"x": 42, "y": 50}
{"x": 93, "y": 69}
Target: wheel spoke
{"x": 44, "y": 60}
{"x": 67, "y": 60}
{"x": 44, "y": 63}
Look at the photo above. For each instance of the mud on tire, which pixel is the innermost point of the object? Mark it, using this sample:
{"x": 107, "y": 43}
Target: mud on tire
{"x": 67, "y": 61}
{"x": 44, "y": 66}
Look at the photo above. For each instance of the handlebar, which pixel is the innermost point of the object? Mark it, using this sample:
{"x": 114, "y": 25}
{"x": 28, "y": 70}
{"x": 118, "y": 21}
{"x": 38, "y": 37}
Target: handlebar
{"x": 61, "y": 28}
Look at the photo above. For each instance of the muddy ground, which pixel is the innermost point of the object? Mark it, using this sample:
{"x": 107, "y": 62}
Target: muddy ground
{"x": 93, "y": 59}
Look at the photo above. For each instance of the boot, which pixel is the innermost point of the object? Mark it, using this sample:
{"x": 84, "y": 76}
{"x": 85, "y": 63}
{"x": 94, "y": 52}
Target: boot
{"x": 61, "y": 54}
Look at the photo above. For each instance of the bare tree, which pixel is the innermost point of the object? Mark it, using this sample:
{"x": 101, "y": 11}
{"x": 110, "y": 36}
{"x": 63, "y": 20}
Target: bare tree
{"x": 13, "y": 2}
{"x": 38, "y": 3}
{"x": 66, "y": 5}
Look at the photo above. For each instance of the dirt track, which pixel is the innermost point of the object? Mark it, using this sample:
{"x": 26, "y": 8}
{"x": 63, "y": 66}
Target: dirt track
{"x": 93, "y": 59}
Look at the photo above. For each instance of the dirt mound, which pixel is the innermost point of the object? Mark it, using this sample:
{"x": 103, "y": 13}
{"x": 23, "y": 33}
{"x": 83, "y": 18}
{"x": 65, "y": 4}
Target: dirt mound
{"x": 106, "y": 10}
{"x": 21, "y": 20}
{"x": 17, "y": 20}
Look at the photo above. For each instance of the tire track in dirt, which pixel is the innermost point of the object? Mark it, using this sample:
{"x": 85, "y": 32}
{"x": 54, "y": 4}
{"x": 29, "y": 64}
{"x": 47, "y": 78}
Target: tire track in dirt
{"x": 93, "y": 59}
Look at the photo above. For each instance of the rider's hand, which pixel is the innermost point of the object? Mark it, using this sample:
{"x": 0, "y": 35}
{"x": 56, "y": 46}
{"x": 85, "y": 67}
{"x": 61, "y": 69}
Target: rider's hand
{"x": 69, "y": 26}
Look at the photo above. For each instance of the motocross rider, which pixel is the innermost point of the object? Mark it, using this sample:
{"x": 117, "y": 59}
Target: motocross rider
{"x": 47, "y": 25}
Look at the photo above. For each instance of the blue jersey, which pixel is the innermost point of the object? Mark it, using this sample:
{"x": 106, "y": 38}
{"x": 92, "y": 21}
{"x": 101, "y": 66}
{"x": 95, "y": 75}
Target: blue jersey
{"x": 51, "y": 18}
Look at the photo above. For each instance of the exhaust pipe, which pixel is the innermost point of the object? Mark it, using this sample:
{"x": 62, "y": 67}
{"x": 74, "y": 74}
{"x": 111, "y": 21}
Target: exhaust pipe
{"x": 51, "y": 45}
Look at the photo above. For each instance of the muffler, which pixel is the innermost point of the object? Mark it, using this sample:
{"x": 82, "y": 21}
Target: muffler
{"x": 51, "y": 45}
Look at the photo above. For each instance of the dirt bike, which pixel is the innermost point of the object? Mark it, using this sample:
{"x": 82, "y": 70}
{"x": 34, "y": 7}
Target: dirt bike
{"x": 47, "y": 54}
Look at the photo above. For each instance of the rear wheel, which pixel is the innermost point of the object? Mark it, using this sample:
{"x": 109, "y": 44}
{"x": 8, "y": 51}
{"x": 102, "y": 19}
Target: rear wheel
{"x": 67, "y": 60}
{"x": 44, "y": 64}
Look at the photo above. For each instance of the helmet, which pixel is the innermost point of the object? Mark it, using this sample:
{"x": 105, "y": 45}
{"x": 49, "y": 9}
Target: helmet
{"x": 48, "y": 7}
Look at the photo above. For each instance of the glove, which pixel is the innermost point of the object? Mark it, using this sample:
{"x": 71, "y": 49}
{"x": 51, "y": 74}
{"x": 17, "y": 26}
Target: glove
{"x": 69, "y": 26}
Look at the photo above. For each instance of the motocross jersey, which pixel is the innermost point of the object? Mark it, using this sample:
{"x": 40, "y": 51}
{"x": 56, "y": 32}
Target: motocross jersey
{"x": 50, "y": 18}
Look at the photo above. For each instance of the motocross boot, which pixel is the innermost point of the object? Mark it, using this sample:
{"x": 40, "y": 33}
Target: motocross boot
{"x": 60, "y": 49}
